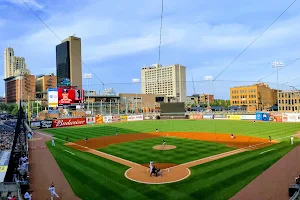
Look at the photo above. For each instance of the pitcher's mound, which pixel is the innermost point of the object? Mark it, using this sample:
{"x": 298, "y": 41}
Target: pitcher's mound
{"x": 164, "y": 147}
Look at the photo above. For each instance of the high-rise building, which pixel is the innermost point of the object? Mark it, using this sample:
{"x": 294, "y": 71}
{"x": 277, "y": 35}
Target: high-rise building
{"x": 20, "y": 88}
{"x": 13, "y": 65}
{"x": 255, "y": 97}
{"x": 68, "y": 61}
{"x": 169, "y": 81}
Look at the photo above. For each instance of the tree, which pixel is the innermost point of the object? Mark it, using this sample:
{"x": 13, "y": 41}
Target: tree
{"x": 15, "y": 110}
{"x": 4, "y": 106}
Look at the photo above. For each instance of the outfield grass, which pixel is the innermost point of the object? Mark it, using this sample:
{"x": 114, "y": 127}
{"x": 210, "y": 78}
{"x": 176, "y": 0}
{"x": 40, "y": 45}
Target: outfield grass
{"x": 141, "y": 151}
{"x": 259, "y": 129}
{"x": 93, "y": 177}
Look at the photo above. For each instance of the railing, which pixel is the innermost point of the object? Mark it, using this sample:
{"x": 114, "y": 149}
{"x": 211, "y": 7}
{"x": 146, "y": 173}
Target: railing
{"x": 296, "y": 195}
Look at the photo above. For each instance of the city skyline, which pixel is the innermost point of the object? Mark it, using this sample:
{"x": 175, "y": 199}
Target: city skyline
{"x": 203, "y": 37}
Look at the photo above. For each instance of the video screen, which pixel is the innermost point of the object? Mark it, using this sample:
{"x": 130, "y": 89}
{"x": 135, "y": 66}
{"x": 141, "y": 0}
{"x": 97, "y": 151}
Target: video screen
{"x": 70, "y": 96}
{"x": 172, "y": 107}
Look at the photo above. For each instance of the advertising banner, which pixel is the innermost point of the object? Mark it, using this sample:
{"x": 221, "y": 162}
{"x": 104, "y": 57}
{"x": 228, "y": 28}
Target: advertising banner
{"x": 291, "y": 117}
{"x": 259, "y": 116}
{"x": 135, "y": 117}
{"x": 198, "y": 116}
{"x": 52, "y": 97}
{"x": 208, "y": 116}
{"x": 35, "y": 124}
{"x": 116, "y": 118}
{"x": 46, "y": 124}
{"x": 69, "y": 96}
{"x": 99, "y": 119}
{"x": 68, "y": 122}
{"x": 147, "y": 117}
{"x": 276, "y": 117}
{"x": 90, "y": 120}
{"x": 248, "y": 117}
{"x": 220, "y": 116}
{"x": 233, "y": 117}
{"x": 191, "y": 116}
{"x": 262, "y": 116}
{"x": 4, "y": 161}
{"x": 107, "y": 119}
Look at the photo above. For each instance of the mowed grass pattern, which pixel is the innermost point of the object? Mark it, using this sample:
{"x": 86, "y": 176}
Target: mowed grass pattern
{"x": 141, "y": 151}
{"x": 258, "y": 129}
{"x": 93, "y": 177}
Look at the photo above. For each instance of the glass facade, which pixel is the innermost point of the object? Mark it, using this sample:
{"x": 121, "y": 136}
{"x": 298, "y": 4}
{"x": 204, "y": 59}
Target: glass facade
{"x": 62, "y": 61}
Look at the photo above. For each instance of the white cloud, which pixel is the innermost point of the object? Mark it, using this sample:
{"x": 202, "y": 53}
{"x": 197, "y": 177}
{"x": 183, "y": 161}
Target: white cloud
{"x": 132, "y": 45}
{"x": 32, "y": 3}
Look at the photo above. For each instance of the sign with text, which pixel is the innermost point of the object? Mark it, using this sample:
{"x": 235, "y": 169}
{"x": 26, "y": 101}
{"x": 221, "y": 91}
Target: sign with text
{"x": 68, "y": 122}
{"x": 116, "y": 118}
{"x": 35, "y": 124}
{"x": 276, "y": 117}
{"x": 46, "y": 124}
{"x": 90, "y": 120}
{"x": 99, "y": 119}
{"x": 107, "y": 119}
{"x": 135, "y": 118}
{"x": 52, "y": 97}
{"x": 69, "y": 96}
{"x": 233, "y": 117}
{"x": 123, "y": 118}
{"x": 291, "y": 117}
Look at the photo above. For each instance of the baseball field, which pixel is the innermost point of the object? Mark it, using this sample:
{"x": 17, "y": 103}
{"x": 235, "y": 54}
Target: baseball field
{"x": 200, "y": 159}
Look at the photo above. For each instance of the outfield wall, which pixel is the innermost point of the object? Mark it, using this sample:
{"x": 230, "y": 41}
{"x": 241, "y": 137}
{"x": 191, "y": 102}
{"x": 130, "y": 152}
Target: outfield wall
{"x": 100, "y": 119}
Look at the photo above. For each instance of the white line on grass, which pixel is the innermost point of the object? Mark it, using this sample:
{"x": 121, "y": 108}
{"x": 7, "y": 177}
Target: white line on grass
{"x": 267, "y": 151}
{"x": 70, "y": 152}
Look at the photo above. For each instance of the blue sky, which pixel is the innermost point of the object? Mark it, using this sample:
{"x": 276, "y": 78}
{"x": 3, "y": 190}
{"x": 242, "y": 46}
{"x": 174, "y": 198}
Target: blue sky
{"x": 119, "y": 37}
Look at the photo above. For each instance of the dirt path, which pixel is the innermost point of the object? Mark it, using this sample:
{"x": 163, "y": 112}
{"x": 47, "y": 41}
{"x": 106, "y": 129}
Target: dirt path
{"x": 44, "y": 170}
{"x": 274, "y": 182}
{"x": 140, "y": 173}
{"x": 239, "y": 142}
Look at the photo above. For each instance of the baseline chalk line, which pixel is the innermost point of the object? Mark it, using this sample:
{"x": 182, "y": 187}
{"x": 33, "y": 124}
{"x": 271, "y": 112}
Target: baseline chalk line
{"x": 267, "y": 151}
{"x": 70, "y": 152}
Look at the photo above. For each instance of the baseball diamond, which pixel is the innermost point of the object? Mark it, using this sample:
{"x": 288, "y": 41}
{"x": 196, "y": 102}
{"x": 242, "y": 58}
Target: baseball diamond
{"x": 207, "y": 162}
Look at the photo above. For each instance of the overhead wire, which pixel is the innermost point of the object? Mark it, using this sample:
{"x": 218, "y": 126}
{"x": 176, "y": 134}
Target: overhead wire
{"x": 239, "y": 55}
{"x": 160, "y": 32}
{"x": 290, "y": 63}
{"x": 61, "y": 41}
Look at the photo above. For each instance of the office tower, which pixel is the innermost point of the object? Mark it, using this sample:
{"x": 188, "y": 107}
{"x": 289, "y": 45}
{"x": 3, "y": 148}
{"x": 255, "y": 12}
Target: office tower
{"x": 68, "y": 61}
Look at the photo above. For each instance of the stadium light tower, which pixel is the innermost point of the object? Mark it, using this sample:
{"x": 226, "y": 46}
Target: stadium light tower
{"x": 277, "y": 65}
{"x": 208, "y": 78}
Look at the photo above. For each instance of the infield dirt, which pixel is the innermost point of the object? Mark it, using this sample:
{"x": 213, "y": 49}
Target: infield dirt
{"x": 171, "y": 173}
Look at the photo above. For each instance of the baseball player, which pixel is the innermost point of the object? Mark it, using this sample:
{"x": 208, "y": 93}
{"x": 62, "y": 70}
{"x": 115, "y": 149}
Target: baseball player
{"x": 67, "y": 139}
{"x": 151, "y": 167}
{"x": 116, "y": 132}
{"x": 86, "y": 139}
{"x": 292, "y": 140}
{"x": 232, "y": 136}
{"x": 270, "y": 138}
{"x": 164, "y": 143}
{"x": 52, "y": 191}
{"x": 156, "y": 130}
{"x": 53, "y": 143}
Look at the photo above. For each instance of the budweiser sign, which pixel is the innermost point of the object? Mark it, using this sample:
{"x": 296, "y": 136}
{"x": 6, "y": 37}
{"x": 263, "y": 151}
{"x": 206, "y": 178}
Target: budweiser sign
{"x": 69, "y": 122}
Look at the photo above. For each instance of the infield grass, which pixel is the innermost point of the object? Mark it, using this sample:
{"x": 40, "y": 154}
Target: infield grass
{"x": 92, "y": 177}
{"x": 141, "y": 151}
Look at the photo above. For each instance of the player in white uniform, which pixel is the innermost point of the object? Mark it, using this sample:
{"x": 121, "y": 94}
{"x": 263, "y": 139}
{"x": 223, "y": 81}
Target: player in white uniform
{"x": 52, "y": 191}
{"x": 292, "y": 140}
{"x": 151, "y": 166}
{"x": 53, "y": 143}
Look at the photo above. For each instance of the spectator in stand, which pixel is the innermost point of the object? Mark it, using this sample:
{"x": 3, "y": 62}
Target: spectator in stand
{"x": 27, "y": 196}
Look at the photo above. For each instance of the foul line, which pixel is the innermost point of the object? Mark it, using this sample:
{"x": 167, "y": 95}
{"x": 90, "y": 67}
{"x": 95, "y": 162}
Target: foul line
{"x": 70, "y": 152}
{"x": 108, "y": 155}
{"x": 267, "y": 151}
